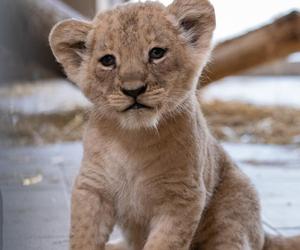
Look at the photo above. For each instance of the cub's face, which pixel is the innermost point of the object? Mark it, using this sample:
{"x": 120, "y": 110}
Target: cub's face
{"x": 139, "y": 62}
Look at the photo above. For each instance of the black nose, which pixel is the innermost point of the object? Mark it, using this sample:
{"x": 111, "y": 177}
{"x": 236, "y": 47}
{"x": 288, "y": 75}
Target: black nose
{"x": 134, "y": 92}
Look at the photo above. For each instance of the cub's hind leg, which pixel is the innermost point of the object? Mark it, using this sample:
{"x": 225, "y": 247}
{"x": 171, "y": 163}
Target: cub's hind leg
{"x": 232, "y": 220}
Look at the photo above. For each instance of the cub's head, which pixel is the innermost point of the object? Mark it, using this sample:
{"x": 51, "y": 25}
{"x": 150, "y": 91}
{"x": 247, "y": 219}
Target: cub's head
{"x": 139, "y": 62}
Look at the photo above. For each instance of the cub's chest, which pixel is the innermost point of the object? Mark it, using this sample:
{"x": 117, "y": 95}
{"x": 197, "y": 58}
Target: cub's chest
{"x": 134, "y": 188}
{"x": 133, "y": 198}
{"x": 141, "y": 180}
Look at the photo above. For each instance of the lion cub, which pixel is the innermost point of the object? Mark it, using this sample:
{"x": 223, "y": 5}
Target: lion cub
{"x": 150, "y": 163}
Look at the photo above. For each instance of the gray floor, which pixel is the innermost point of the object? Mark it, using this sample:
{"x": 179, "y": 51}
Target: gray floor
{"x": 36, "y": 181}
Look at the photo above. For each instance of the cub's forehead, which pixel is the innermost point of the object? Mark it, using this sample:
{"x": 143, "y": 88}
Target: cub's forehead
{"x": 132, "y": 24}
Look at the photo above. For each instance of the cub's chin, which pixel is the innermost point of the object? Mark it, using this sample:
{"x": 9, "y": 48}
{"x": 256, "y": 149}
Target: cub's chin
{"x": 139, "y": 118}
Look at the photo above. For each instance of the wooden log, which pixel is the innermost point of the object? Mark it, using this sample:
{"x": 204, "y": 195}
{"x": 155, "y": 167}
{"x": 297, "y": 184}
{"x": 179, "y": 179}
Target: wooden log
{"x": 278, "y": 68}
{"x": 266, "y": 44}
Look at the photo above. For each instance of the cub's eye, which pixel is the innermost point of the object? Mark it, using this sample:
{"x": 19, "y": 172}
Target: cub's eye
{"x": 157, "y": 53}
{"x": 108, "y": 61}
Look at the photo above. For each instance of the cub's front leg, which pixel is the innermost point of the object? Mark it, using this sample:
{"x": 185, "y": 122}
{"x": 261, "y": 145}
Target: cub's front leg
{"x": 92, "y": 216}
{"x": 175, "y": 226}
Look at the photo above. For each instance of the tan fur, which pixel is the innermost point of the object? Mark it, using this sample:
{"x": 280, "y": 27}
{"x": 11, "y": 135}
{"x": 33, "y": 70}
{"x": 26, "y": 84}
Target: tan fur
{"x": 157, "y": 173}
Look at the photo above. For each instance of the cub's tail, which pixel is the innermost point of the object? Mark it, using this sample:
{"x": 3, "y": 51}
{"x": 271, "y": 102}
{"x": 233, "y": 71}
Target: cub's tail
{"x": 282, "y": 243}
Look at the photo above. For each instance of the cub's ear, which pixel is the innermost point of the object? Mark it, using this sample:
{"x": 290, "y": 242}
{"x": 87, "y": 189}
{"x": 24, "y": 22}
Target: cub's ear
{"x": 68, "y": 43}
{"x": 196, "y": 19}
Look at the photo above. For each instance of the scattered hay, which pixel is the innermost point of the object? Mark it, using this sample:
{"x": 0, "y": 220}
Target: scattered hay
{"x": 239, "y": 122}
{"x": 41, "y": 129}
{"x": 229, "y": 121}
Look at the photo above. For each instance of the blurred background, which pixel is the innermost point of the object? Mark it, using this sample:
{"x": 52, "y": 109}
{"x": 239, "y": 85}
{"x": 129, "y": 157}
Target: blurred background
{"x": 250, "y": 94}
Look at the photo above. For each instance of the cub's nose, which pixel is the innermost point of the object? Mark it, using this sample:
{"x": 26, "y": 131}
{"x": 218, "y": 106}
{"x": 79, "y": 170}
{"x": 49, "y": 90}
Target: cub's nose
{"x": 134, "y": 92}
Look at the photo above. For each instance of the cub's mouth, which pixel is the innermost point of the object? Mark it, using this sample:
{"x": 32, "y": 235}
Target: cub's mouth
{"x": 136, "y": 106}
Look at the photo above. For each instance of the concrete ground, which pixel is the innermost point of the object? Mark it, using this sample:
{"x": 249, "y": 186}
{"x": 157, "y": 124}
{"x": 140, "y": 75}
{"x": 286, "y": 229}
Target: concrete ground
{"x": 35, "y": 182}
